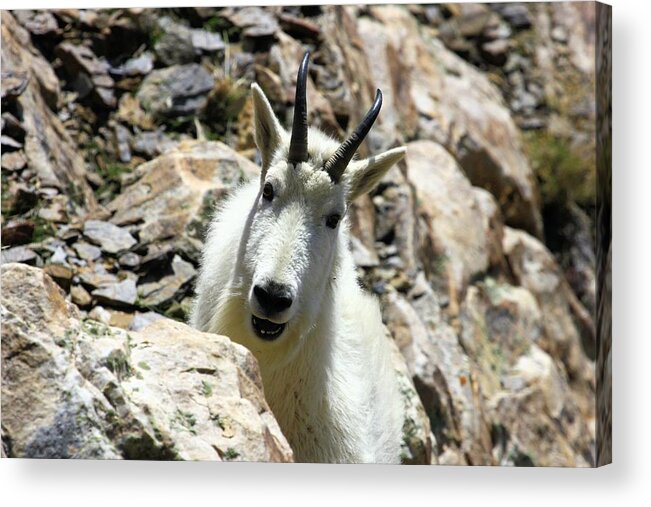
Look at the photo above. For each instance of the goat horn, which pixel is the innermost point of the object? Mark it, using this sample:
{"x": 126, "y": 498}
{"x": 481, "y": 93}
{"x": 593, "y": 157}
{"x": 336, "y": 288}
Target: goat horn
{"x": 298, "y": 144}
{"x": 337, "y": 163}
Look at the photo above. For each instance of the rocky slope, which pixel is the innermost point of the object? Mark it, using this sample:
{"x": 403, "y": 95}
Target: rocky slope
{"x": 121, "y": 129}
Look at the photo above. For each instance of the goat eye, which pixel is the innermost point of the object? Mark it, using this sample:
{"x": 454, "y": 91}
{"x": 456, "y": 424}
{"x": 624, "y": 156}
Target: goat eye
{"x": 268, "y": 191}
{"x": 332, "y": 220}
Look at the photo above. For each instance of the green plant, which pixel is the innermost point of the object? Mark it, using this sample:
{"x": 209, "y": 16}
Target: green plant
{"x": 563, "y": 174}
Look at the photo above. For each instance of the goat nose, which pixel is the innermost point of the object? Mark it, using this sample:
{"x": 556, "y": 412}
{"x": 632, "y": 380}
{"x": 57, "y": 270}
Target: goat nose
{"x": 273, "y": 297}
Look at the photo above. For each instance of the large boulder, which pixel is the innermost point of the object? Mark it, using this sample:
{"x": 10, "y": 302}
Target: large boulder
{"x": 436, "y": 95}
{"x": 456, "y": 236}
{"x": 173, "y": 195}
{"x": 77, "y": 388}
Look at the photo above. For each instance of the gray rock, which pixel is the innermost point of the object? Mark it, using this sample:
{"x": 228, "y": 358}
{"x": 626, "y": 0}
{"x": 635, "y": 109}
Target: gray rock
{"x": 121, "y": 143}
{"x": 86, "y": 251}
{"x": 130, "y": 260}
{"x": 20, "y": 254}
{"x": 90, "y": 72}
{"x": 180, "y": 44}
{"x": 142, "y": 320}
{"x": 139, "y": 66}
{"x": 117, "y": 294}
{"x": 516, "y": 14}
{"x": 152, "y": 144}
{"x": 169, "y": 288}
{"x": 111, "y": 238}
{"x": 254, "y": 21}
{"x": 179, "y": 90}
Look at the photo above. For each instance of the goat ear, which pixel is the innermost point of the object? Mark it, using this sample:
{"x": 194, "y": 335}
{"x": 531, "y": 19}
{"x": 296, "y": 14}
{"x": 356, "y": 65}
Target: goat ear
{"x": 267, "y": 127}
{"x": 365, "y": 175}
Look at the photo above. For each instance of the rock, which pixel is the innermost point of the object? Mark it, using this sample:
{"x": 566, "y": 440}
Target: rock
{"x": 50, "y": 152}
{"x": 17, "y": 231}
{"x": 80, "y": 296}
{"x": 179, "y": 90}
{"x": 60, "y": 273}
{"x": 540, "y": 424}
{"x": 38, "y": 23}
{"x": 174, "y": 194}
{"x": 447, "y": 100}
{"x": 86, "y": 251}
{"x": 20, "y": 254}
{"x": 74, "y": 388}
{"x": 535, "y": 269}
{"x": 162, "y": 292}
{"x": 395, "y": 220}
{"x": 255, "y": 22}
{"x": 364, "y": 257}
{"x": 10, "y": 143}
{"x": 142, "y": 320}
{"x": 496, "y": 52}
{"x": 121, "y": 294}
{"x": 110, "y": 238}
{"x": 96, "y": 276}
{"x": 516, "y": 14}
{"x": 100, "y": 314}
{"x": 455, "y": 233}
{"x": 137, "y": 66}
{"x": 88, "y": 71}
{"x": 121, "y": 138}
{"x": 129, "y": 260}
{"x": 445, "y": 379}
{"x": 13, "y": 85}
{"x": 13, "y": 161}
{"x": 180, "y": 44}
{"x": 559, "y": 34}
{"x": 298, "y": 27}
{"x": 417, "y": 439}
{"x": 152, "y": 144}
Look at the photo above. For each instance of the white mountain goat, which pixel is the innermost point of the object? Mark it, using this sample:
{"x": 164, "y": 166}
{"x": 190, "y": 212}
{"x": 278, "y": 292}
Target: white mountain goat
{"x": 278, "y": 277}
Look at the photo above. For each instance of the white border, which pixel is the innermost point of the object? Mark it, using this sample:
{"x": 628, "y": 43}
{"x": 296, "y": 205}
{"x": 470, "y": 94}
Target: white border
{"x": 627, "y": 482}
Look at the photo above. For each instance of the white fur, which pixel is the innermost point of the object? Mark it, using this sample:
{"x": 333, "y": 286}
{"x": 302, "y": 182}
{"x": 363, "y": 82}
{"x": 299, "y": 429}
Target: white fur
{"x": 328, "y": 378}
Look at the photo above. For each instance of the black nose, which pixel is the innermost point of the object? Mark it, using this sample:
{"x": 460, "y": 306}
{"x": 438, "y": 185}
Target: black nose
{"x": 273, "y": 297}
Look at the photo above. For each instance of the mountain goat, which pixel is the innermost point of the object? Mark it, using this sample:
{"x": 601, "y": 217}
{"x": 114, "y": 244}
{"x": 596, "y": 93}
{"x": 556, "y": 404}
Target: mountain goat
{"x": 278, "y": 277}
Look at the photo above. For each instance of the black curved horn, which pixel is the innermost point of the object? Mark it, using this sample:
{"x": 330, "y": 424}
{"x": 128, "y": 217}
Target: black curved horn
{"x": 298, "y": 144}
{"x": 337, "y": 163}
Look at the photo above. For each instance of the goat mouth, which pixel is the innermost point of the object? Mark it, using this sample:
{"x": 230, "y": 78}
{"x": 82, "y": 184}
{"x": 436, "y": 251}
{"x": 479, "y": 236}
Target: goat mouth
{"x": 266, "y": 329}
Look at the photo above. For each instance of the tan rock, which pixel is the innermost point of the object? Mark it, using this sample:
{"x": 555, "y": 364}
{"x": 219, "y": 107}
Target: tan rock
{"x": 433, "y": 94}
{"x": 456, "y": 237}
{"x": 535, "y": 269}
{"x": 75, "y": 388}
{"x": 445, "y": 379}
{"x": 173, "y": 195}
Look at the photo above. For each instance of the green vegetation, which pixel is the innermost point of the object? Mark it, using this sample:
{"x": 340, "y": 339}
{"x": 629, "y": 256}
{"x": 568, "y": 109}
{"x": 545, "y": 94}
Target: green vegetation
{"x": 111, "y": 174}
{"x": 144, "y": 365}
{"x": 225, "y": 102}
{"x": 231, "y": 454}
{"x": 228, "y": 31}
{"x": 206, "y": 389}
{"x": 186, "y": 420}
{"x": 563, "y": 174}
